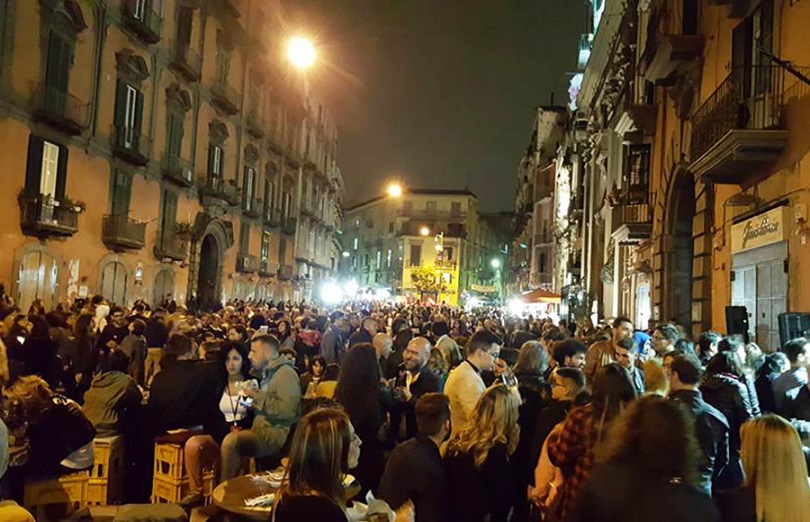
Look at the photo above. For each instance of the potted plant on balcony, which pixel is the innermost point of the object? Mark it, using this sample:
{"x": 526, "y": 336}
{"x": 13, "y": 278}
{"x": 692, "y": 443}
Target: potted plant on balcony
{"x": 182, "y": 229}
{"x": 78, "y": 206}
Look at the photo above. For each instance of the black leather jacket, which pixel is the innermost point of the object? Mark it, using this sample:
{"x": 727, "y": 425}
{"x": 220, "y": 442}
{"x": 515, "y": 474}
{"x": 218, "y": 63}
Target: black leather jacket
{"x": 731, "y": 397}
{"x": 711, "y": 429}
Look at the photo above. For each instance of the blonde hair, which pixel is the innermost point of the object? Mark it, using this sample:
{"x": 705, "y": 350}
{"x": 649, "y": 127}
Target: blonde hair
{"x": 494, "y": 420}
{"x": 775, "y": 469}
{"x": 32, "y": 392}
{"x": 655, "y": 378}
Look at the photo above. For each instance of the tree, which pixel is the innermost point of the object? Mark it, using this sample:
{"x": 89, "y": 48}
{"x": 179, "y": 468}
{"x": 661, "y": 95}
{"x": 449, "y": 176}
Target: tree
{"x": 427, "y": 280}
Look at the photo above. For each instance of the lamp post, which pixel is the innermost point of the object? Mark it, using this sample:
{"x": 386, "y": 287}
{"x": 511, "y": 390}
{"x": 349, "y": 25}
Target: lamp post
{"x": 301, "y": 52}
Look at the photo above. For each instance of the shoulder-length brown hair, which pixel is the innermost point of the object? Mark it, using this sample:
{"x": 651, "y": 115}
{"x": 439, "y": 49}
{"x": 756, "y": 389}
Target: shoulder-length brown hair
{"x": 319, "y": 456}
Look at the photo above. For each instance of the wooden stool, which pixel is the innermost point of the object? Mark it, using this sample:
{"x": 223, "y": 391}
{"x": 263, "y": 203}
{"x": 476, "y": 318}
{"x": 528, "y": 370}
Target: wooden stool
{"x": 170, "y": 482}
{"x": 67, "y": 490}
{"x": 167, "y": 490}
{"x": 107, "y": 476}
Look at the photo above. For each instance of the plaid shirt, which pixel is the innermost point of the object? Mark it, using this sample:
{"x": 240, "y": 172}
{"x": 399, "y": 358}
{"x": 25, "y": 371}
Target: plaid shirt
{"x": 573, "y": 453}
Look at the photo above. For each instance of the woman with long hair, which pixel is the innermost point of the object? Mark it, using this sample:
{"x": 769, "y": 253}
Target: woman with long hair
{"x": 202, "y": 451}
{"x": 311, "y": 379}
{"x": 286, "y": 336}
{"x": 481, "y": 483}
{"x": 85, "y": 353}
{"x": 723, "y": 388}
{"x": 358, "y": 391}
{"x": 775, "y": 488}
{"x": 573, "y": 449}
{"x": 646, "y": 468}
{"x": 324, "y": 448}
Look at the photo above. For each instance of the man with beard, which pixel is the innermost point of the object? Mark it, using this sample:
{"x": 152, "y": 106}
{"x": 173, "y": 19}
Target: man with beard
{"x": 419, "y": 380}
{"x": 603, "y": 353}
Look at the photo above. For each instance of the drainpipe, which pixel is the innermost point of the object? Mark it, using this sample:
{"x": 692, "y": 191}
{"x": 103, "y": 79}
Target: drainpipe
{"x": 101, "y": 32}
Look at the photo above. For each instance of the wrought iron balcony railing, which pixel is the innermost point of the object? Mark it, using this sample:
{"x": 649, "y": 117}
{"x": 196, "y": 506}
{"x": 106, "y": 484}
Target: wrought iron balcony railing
{"x": 123, "y": 232}
{"x": 45, "y": 216}
{"x": 59, "y": 109}
{"x": 186, "y": 61}
{"x": 130, "y": 145}
{"x": 142, "y": 19}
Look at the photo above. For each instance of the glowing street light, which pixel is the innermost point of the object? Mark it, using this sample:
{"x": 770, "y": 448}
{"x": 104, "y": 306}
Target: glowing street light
{"x": 301, "y": 52}
{"x": 394, "y": 190}
{"x": 424, "y": 231}
{"x": 496, "y": 263}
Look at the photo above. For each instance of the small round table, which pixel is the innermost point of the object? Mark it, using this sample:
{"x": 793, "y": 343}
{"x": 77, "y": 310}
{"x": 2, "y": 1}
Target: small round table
{"x": 231, "y": 494}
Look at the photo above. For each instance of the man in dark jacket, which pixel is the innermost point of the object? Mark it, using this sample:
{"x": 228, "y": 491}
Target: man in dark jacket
{"x": 366, "y": 333}
{"x": 419, "y": 380}
{"x": 332, "y": 342}
{"x": 414, "y": 470}
{"x": 113, "y": 397}
{"x": 567, "y": 390}
{"x": 711, "y": 426}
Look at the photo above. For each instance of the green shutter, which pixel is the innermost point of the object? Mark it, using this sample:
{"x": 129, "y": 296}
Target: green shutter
{"x": 61, "y": 171}
{"x": 122, "y": 192}
{"x": 120, "y": 104}
{"x": 210, "y": 159}
{"x": 33, "y": 169}
{"x": 138, "y": 114}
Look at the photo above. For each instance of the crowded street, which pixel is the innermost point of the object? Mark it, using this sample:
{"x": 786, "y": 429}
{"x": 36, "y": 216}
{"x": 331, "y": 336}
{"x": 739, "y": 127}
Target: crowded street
{"x": 404, "y": 261}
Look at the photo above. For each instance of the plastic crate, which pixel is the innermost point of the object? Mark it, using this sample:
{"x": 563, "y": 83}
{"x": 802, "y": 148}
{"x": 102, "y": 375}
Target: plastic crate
{"x": 69, "y": 490}
{"x": 171, "y": 490}
{"x": 97, "y": 492}
{"x": 109, "y": 457}
{"x": 169, "y": 460}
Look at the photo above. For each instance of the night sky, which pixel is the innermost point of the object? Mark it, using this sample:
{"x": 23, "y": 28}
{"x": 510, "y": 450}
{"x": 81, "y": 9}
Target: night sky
{"x": 439, "y": 93}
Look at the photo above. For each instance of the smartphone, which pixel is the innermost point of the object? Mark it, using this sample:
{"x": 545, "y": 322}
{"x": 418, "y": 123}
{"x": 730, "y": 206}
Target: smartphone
{"x": 263, "y": 329}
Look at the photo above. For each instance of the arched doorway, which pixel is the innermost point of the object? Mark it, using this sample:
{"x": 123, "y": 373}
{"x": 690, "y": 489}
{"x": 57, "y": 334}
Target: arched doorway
{"x": 208, "y": 280}
{"x": 678, "y": 274}
{"x": 164, "y": 286}
{"x": 114, "y": 283}
{"x": 37, "y": 279}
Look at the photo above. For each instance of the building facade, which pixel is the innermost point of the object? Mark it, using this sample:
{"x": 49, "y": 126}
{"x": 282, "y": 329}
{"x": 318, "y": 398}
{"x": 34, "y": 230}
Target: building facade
{"x": 532, "y": 260}
{"x": 692, "y": 149}
{"x": 154, "y": 149}
{"x": 387, "y": 239}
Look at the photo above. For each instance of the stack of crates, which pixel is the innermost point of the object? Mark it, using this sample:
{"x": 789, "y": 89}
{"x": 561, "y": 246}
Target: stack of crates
{"x": 67, "y": 490}
{"x": 170, "y": 483}
{"x": 107, "y": 476}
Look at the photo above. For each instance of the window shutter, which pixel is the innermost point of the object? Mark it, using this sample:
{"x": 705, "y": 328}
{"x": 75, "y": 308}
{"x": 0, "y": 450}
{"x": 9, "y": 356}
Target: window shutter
{"x": 33, "y": 165}
{"x": 210, "y": 159}
{"x": 138, "y": 114}
{"x": 179, "y": 130}
{"x": 741, "y": 55}
{"x": 120, "y": 104}
{"x": 61, "y": 172}
{"x": 766, "y": 25}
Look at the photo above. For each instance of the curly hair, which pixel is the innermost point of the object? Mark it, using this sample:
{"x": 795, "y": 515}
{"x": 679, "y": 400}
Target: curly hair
{"x": 643, "y": 429}
{"x": 494, "y": 420}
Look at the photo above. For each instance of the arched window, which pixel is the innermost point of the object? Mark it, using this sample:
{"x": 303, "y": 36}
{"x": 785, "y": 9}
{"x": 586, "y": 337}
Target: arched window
{"x": 37, "y": 279}
{"x": 164, "y": 286}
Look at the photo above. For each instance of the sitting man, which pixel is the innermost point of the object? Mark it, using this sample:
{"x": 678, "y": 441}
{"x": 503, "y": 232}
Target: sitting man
{"x": 276, "y": 404}
{"x": 113, "y": 397}
{"x": 414, "y": 471}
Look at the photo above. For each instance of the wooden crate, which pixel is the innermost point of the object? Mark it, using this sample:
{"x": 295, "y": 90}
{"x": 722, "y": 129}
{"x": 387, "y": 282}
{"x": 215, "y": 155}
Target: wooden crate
{"x": 97, "y": 492}
{"x": 109, "y": 457}
{"x": 169, "y": 460}
{"x": 167, "y": 489}
{"x": 69, "y": 490}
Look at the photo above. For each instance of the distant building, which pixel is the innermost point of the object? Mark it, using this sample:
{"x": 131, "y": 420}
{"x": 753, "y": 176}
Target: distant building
{"x": 387, "y": 238}
{"x": 155, "y": 149}
{"x": 532, "y": 260}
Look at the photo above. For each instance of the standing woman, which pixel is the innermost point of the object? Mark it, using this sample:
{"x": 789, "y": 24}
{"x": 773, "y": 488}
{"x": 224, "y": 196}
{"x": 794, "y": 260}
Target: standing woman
{"x": 480, "y": 479}
{"x": 573, "y": 450}
{"x": 358, "y": 390}
{"x": 775, "y": 488}
{"x": 324, "y": 448}
{"x": 286, "y": 339}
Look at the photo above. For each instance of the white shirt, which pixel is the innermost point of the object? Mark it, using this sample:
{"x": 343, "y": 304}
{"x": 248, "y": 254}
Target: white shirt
{"x": 231, "y": 408}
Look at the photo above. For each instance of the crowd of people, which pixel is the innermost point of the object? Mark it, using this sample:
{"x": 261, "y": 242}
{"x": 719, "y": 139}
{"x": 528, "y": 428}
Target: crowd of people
{"x": 439, "y": 413}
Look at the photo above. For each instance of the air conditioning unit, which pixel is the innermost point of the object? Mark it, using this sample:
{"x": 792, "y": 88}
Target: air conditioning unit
{"x": 246, "y": 263}
{"x": 188, "y": 175}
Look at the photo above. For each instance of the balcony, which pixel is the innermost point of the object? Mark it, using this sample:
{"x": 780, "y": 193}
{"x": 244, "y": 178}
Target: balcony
{"x": 289, "y": 226}
{"x": 44, "y": 216}
{"x": 285, "y": 272}
{"x": 186, "y": 61}
{"x": 121, "y": 232}
{"x": 217, "y": 188}
{"x": 631, "y": 222}
{"x": 59, "y": 109}
{"x": 170, "y": 246}
{"x": 294, "y": 158}
{"x": 272, "y": 217}
{"x": 252, "y": 207}
{"x": 144, "y": 21}
{"x": 448, "y": 265}
{"x": 224, "y": 97}
{"x": 178, "y": 170}
{"x": 739, "y": 131}
{"x": 668, "y": 52}
{"x": 129, "y": 145}
{"x": 255, "y": 125}
{"x": 268, "y": 269}
{"x": 247, "y": 264}
{"x": 438, "y": 214}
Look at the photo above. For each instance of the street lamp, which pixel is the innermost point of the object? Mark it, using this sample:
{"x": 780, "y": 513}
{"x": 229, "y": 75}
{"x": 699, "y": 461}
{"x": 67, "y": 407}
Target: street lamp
{"x": 394, "y": 190}
{"x": 301, "y": 52}
{"x": 496, "y": 263}
{"x": 424, "y": 231}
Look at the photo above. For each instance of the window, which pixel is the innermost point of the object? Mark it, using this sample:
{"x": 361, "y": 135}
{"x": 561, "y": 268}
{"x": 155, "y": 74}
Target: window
{"x": 128, "y": 115}
{"x": 355, "y": 243}
{"x": 366, "y": 261}
{"x": 282, "y": 250}
{"x": 691, "y": 17}
{"x": 379, "y": 259}
{"x": 46, "y": 170}
{"x": 354, "y": 262}
{"x": 57, "y": 69}
{"x": 50, "y": 166}
{"x": 215, "y": 161}
{"x": 416, "y": 255}
{"x": 139, "y": 9}
{"x": 244, "y": 238}
{"x": 223, "y": 64}
{"x": 287, "y": 204}
{"x": 249, "y": 188}
{"x": 265, "y": 254}
{"x": 749, "y": 66}
{"x": 455, "y": 209}
{"x": 185, "y": 17}
{"x": 269, "y": 193}
{"x": 407, "y": 208}
{"x": 542, "y": 262}
{"x": 637, "y": 171}
{"x": 391, "y": 228}
{"x": 430, "y": 207}
{"x": 175, "y": 127}
{"x": 388, "y": 258}
{"x": 168, "y": 213}
{"x": 122, "y": 192}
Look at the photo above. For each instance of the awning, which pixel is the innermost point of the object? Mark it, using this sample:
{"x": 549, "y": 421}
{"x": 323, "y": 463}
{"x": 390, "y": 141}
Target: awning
{"x": 539, "y": 295}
